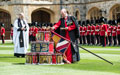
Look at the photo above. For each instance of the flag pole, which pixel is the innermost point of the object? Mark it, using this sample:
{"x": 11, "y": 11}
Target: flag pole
{"x": 83, "y": 48}
{"x": 95, "y": 55}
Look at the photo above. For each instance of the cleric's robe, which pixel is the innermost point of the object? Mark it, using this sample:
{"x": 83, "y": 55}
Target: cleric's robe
{"x": 20, "y": 48}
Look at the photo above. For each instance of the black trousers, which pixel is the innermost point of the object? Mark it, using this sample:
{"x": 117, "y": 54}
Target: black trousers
{"x": 97, "y": 39}
{"x": 80, "y": 39}
{"x": 84, "y": 39}
{"x": 106, "y": 40}
{"x": 118, "y": 37}
{"x": 93, "y": 39}
{"x": 33, "y": 38}
{"x": 110, "y": 40}
{"x": 30, "y": 38}
{"x": 103, "y": 40}
{"x": 2, "y": 37}
{"x": 88, "y": 39}
{"x": 115, "y": 40}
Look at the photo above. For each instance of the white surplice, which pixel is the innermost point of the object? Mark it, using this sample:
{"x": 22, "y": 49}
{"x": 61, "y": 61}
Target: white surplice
{"x": 16, "y": 34}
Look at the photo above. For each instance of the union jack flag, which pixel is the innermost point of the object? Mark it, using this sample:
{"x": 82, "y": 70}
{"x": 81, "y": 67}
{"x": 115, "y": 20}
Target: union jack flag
{"x": 61, "y": 43}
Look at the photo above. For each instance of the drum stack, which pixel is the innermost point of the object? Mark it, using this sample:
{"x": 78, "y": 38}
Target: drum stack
{"x": 42, "y": 50}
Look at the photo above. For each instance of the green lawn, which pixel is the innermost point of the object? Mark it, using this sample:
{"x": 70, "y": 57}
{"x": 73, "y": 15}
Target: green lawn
{"x": 88, "y": 65}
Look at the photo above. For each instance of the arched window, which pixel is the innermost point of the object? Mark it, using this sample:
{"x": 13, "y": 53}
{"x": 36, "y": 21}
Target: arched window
{"x": 116, "y": 13}
{"x": 77, "y": 15}
{"x": 94, "y": 13}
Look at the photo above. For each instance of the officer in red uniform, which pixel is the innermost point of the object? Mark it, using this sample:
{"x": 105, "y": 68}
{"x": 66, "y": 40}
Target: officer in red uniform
{"x": 97, "y": 35}
{"x": 39, "y": 27}
{"x": 118, "y": 31}
{"x": 11, "y": 32}
{"x": 35, "y": 30}
{"x": 103, "y": 31}
{"x": 2, "y": 33}
{"x": 110, "y": 28}
{"x": 114, "y": 33}
{"x": 80, "y": 29}
{"x": 84, "y": 34}
{"x": 30, "y": 32}
{"x": 88, "y": 32}
{"x": 92, "y": 32}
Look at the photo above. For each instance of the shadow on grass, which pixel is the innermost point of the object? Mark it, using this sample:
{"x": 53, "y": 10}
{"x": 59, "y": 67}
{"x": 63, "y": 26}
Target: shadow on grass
{"x": 7, "y": 57}
{"x": 18, "y": 63}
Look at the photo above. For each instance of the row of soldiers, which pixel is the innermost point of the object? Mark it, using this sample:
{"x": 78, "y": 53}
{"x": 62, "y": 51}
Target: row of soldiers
{"x": 35, "y": 28}
{"x": 100, "y": 32}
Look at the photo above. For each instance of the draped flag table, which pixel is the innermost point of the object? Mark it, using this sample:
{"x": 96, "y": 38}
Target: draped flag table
{"x": 42, "y": 51}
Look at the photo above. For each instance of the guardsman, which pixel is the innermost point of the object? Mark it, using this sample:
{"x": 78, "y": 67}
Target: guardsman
{"x": 110, "y": 28}
{"x": 80, "y": 29}
{"x": 35, "y": 30}
{"x": 118, "y": 31}
{"x": 2, "y": 33}
{"x": 11, "y": 33}
{"x": 30, "y": 32}
{"x": 103, "y": 31}
{"x": 97, "y": 35}
{"x": 84, "y": 34}
{"x": 92, "y": 32}
{"x": 88, "y": 32}
{"x": 114, "y": 33}
{"x": 107, "y": 35}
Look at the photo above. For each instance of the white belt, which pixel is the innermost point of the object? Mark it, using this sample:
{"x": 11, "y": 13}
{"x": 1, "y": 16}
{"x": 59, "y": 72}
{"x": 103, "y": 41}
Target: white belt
{"x": 96, "y": 30}
{"x": 118, "y": 29}
{"x": 113, "y": 31}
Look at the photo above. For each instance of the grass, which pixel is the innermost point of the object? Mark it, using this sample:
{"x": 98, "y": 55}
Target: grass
{"x": 88, "y": 65}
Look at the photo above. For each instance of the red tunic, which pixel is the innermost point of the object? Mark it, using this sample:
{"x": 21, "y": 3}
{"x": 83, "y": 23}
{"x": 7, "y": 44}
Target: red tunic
{"x": 72, "y": 27}
{"x": 88, "y": 30}
{"x": 2, "y": 31}
{"x": 30, "y": 31}
{"x": 81, "y": 28}
{"x": 110, "y": 28}
{"x": 114, "y": 33}
{"x": 39, "y": 29}
{"x": 118, "y": 30}
{"x": 103, "y": 29}
{"x": 84, "y": 31}
{"x": 97, "y": 29}
{"x": 11, "y": 33}
{"x": 92, "y": 30}
{"x": 35, "y": 30}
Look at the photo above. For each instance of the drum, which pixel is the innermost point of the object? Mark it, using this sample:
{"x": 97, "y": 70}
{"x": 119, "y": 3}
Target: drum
{"x": 29, "y": 58}
{"x": 43, "y": 36}
{"x": 35, "y": 58}
{"x": 43, "y": 47}
{"x": 45, "y": 58}
{"x": 57, "y": 59}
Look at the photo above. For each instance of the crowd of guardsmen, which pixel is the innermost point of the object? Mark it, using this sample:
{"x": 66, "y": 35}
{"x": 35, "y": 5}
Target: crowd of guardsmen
{"x": 36, "y": 27}
{"x": 100, "y": 32}
{"x": 92, "y": 32}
